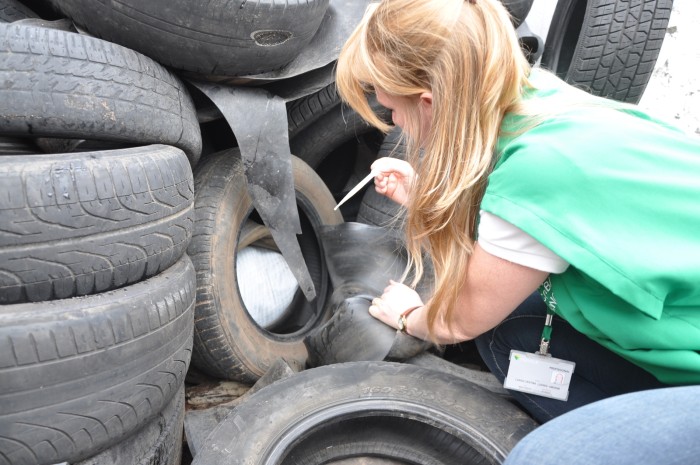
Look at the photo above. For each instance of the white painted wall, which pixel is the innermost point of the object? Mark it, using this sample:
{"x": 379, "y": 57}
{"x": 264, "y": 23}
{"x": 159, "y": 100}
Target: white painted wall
{"x": 673, "y": 92}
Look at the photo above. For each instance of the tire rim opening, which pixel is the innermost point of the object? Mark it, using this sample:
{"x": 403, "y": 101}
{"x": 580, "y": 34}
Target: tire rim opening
{"x": 383, "y": 440}
{"x": 268, "y": 288}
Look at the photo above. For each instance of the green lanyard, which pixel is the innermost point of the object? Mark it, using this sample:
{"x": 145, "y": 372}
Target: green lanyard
{"x": 546, "y": 333}
{"x": 551, "y": 303}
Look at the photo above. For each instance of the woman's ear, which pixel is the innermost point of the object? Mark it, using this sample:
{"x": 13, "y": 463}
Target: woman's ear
{"x": 425, "y": 103}
{"x": 425, "y": 107}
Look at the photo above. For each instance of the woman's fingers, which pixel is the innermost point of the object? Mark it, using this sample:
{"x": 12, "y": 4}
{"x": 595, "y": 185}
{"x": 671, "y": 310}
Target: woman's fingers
{"x": 387, "y": 165}
{"x": 393, "y": 178}
{"x": 386, "y": 184}
{"x": 379, "y": 310}
{"x": 393, "y": 285}
{"x": 380, "y": 183}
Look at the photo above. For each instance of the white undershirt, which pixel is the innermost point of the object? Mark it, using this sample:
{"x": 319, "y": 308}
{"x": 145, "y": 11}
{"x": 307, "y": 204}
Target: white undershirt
{"x": 505, "y": 240}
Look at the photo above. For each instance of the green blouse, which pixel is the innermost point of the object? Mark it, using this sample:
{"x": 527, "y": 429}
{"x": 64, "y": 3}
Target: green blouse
{"x": 617, "y": 195}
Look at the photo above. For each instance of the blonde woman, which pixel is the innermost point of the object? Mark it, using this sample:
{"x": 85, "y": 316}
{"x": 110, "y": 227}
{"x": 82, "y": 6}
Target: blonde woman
{"x": 517, "y": 183}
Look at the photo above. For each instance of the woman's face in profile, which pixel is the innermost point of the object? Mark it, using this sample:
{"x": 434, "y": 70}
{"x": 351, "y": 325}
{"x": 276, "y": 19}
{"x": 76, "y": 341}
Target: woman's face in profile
{"x": 400, "y": 107}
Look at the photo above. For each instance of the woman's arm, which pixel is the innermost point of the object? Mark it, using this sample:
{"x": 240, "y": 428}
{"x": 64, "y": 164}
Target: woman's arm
{"x": 492, "y": 289}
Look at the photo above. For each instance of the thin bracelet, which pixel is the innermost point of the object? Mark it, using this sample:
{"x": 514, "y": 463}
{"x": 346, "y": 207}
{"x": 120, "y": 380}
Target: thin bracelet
{"x": 402, "y": 319}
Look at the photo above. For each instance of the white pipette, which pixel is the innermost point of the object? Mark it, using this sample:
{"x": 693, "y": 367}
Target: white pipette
{"x": 355, "y": 189}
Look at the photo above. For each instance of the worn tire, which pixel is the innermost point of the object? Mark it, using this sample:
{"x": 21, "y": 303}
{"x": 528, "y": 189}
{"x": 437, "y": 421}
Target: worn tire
{"x": 306, "y": 110}
{"x": 80, "y": 375}
{"x": 518, "y": 9}
{"x": 61, "y": 84}
{"x": 218, "y": 37}
{"x": 16, "y": 146}
{"x": 13, "y": 10}
{"x": 79, "y": 224}
{"x": 157, "y": 443}
{"x": 228, "y": 342}
{"x": 607, "y": 47}
{"x": 384, "y": 410}
{"x": 332, "y": 143}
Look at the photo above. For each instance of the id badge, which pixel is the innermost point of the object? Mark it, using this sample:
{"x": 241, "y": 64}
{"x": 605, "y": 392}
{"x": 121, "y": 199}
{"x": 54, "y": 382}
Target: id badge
{"x": 539, "y": 374}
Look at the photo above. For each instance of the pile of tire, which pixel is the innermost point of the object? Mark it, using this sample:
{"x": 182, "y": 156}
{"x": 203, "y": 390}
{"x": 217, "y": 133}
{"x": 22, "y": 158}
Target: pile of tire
{"x": 97, "y": 291}
{"x": 99, "y": 143}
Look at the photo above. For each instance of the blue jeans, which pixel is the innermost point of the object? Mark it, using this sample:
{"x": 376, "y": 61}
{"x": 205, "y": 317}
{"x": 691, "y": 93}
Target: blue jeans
{"x": 599, "y": 373}
{"x": 658, "y": 426}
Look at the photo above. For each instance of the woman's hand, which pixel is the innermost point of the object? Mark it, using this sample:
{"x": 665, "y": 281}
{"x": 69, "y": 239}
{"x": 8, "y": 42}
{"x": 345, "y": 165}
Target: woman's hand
{"x": 492, "y": 289}
{"x": 396, "y": 299}
{"x": 394, "y": 178}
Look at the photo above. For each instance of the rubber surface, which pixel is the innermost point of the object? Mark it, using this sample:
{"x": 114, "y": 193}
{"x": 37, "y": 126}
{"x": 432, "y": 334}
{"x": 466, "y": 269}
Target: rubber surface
{"x": 55, "y": 83}
{"x": 607, "y": 47}
{"x": 227, "y": 341}
{"x": 377, "y": 209}
{"x": 157, "y": 443}
{"x": 79, "y": 224}
{"x": 217, "y": 37}
{"x": 80, "y": 375}
{"x": 306, "y": 110}
{"x": 328, "y": 410}
{"x": 13, "y": 10}
{"x": 333, "y": 143}
{"x": 518, "y": 9}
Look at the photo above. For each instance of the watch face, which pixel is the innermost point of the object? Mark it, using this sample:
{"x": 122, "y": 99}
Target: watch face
{"x": 402, "y": 323}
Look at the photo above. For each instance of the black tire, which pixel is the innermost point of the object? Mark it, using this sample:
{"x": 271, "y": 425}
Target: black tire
{"x": 79, "y": 224}
{"x": 61, "y": 84}
{"x": 384, "y": 410}
{"x": 217, "y": 37}
{"x": 607, "y": 47}
{"x": 79, "y": 375}
{"x": 157, "y": 443}
{"x": 377, "y": 209}
{"x": 518, "y": 9}
{"x": 13, "y": 10}
{"x": 228, "y": 342}
{"x": 304, "y": 111}
{"x": 16, "y": 146}
{"x": 333, "y": 142}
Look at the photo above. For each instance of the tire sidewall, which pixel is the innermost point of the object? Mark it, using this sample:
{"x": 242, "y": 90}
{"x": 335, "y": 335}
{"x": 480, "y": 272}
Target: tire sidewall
{"x": 256, "y": 346}
{"x": 287, "y": 411}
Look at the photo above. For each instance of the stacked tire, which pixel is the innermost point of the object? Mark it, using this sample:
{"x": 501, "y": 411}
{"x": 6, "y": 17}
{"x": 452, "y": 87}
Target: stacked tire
{"x": 97, "y": 292}
{"x": 219, "y": 41}
{"x": 98, "y": 143}
{"x": 221, "y": 38}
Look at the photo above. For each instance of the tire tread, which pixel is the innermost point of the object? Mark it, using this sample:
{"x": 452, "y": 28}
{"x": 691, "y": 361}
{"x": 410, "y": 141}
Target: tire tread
{"x": 81, "y": 224}
{"x": 84, "y": 87}
{"x": 618, "y": 47}
{"x": 122, "y": 357}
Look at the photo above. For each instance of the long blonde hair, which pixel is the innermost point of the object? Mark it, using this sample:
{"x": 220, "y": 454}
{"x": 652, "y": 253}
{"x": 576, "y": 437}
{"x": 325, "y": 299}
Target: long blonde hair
{"x": 468, "y": 55}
